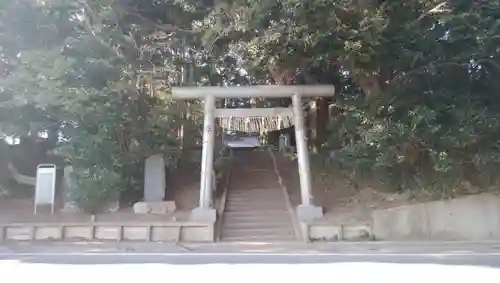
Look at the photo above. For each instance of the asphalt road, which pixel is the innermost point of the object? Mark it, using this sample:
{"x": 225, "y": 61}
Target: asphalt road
{"x": 336, "y": 263}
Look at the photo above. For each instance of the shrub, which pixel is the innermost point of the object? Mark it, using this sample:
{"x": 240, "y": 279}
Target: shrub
{"x": 94, "y": 187}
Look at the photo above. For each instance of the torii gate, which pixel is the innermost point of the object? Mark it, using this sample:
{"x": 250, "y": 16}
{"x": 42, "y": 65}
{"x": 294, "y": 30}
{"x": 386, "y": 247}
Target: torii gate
{"x": 306, "y": 211}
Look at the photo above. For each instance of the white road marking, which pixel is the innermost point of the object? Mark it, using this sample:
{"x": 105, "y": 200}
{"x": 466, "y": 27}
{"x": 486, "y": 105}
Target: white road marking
{"x": 352, "y": 272}
{"x": 243, "y": 254}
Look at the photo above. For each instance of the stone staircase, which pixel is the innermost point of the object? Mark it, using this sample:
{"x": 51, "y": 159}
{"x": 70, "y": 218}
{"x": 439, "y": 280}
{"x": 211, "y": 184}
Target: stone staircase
{"x": 256, "y": 206}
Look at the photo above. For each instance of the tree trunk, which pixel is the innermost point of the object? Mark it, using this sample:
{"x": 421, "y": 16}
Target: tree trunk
{"x": 323, "y": 119}
{"x": 370, "y": 84}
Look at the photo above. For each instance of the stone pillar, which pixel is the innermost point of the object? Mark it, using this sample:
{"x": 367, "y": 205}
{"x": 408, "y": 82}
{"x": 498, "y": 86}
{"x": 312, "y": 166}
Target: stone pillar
{"x": 69, "y": 204}
{"x": 205, "y": 211}
{"x": 306, "y": 211}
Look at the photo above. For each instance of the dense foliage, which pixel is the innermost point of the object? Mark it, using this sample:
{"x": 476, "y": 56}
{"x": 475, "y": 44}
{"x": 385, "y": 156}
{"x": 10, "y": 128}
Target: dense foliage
{"x": 417, "y": 81}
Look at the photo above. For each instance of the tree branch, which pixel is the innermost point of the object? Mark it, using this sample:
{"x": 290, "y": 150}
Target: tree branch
{"x": 165, "y": 27}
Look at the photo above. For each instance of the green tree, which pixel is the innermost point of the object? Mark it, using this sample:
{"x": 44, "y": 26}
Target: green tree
{"x": 100, "y": 70}
{"x": 416, "y": 102}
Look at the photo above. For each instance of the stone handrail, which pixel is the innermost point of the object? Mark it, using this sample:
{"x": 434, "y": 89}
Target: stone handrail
{"x": 219, "y": 167}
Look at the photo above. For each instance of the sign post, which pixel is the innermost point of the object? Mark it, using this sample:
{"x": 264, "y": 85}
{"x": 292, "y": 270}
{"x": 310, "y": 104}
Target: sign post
{"x": 45, "y": 190}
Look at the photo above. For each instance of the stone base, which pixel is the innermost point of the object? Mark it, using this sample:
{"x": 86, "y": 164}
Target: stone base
{"x": 70, "y": 207}
{"x": 159, "y": 232}
{"x": 161, "y": 207}
{"x": 324, "y": 231}
{"x": 307, "y": 213}
{"x": 142, "y": 208}
{"x": 204, "y": 214}
{"x": 112, "y": 206}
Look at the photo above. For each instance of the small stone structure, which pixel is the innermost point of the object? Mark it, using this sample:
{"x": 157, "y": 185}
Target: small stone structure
{"x": 163, "y": 207}
{"x": 324, "y": 231}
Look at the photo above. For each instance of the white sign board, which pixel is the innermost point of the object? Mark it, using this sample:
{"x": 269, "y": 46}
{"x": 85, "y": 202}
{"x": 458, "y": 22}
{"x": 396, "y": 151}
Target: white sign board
{"x": 45, "y": 190}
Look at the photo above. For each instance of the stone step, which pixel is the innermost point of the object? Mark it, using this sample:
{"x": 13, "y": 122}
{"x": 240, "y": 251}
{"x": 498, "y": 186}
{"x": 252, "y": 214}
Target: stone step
{"x": 229, "y": 224}
{"x": 255, "y": 170}
{"x": 257, "y": 214}
{"x": 249, "y": 181}
{"x": 257, "y": 199}
{"x": 259, "y": 239}
{"x": 260, "y": 213}
{"x": 278, "y": 203}
{"x": 269, "y": 199}
{"x": 266, "y": 164}
{"x": 254, "y": 220}
{"x": 258, "y": 232}
{"x": 257, "y": 219}
{"x": 248, "y": 210}
{"x": 267, "y": 173}
{"x": 255, "y": 187}
{"x": 251, "y": 209}
{"x": 254, "y": 193}
{"x": 256, "y": 208}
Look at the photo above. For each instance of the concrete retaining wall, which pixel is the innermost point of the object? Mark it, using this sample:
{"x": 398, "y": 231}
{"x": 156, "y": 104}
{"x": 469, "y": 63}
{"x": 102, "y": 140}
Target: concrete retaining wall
{"x": 474, "y": 217}
{"x": 319, "y": 231}
{"x": 100, "y": 231}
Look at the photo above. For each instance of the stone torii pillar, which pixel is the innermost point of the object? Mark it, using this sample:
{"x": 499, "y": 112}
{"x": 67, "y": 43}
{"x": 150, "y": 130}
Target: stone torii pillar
{"x": 307, "y": 211}
{"x": 205, "y": 210}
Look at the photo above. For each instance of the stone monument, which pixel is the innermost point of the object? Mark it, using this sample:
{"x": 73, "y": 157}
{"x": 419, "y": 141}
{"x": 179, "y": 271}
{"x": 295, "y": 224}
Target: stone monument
{"x": 154, "y": 179}
{"x": 154, "y": 188}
